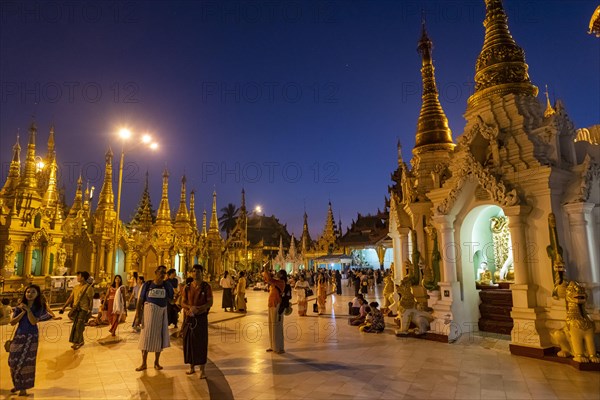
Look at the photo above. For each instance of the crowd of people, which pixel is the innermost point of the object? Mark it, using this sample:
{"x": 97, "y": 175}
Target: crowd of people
{"x": 158, "y": 303}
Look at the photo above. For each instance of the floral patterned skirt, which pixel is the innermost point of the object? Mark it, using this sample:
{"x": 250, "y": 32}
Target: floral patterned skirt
{"x": 21, "y": 360}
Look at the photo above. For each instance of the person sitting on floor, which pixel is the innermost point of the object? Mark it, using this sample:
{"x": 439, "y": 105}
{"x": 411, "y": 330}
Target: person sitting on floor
{"x": 354, "y": 305}
{"x": 362, "y": 314}
{"x": 375, "y": 322}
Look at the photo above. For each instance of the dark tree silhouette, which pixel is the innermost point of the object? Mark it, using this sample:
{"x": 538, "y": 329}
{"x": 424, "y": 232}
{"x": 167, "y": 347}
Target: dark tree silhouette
{"x": 228, "y": 218}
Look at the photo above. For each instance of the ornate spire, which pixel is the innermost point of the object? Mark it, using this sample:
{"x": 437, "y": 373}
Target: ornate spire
{"x": 305, "y": 238}
{"x": 400, "y": 159}
{"x": 327, "y": 242}
{"x": 292, "y": 251}
{"x": 29, "y": 179}
{"x": 329, "y": 230}
{"x": 144, "y": 215}
{"x": 501, "y": 67}
{"x": 280, "y": 253}
{"x": 243, "y": 206}
{"x": 87, "y": 197}
{"x": 57, "y": 218}
{"x": 549, "y": 110}
{"x": 204, "y": 223}
{"x": 432, "y": 127}
{"x": 164, "y": 211}
{"x": 193, "y": 222}
{"x": 78, "y": 201}
{"x": 214, "y": 221}
{"x": 14, "y": 171}
{"x": 182, "y": 215}
{"x": 51, "y": 150}
{"x": 106, "y": 200}
{"x": 51, "y": 193}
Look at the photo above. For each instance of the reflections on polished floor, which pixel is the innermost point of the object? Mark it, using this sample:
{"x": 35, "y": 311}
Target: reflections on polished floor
{"x": 325, "y": 359}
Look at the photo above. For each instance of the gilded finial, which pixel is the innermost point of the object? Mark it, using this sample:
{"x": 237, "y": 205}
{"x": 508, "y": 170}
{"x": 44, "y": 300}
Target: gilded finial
{"x": 433, "y": 131}
{"x": 500, "y": 67}
{"x": 549, "y": 110}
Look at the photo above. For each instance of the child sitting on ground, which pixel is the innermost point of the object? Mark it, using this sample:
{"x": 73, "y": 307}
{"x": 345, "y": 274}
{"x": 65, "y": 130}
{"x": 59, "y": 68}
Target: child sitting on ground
{"x": 96, "y": 303}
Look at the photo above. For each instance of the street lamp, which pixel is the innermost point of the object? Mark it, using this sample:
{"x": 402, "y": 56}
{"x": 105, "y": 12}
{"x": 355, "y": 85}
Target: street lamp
{"x": 124, "y": 135}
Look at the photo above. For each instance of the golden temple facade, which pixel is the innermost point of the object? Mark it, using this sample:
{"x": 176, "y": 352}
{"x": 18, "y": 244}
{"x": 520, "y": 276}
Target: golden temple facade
{"x": 40, "y": 236}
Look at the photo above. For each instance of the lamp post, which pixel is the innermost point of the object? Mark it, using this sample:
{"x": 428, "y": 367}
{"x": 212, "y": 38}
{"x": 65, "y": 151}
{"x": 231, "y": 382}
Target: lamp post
{"x": 125, "y": 134}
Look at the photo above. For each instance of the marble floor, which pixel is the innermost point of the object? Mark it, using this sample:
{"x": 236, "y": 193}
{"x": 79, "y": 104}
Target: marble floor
{"x": 325, "y": 358}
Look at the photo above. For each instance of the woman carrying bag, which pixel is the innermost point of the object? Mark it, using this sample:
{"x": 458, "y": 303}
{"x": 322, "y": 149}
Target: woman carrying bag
{"x": 114, "y": 301}
{"x": 23, "y": 347}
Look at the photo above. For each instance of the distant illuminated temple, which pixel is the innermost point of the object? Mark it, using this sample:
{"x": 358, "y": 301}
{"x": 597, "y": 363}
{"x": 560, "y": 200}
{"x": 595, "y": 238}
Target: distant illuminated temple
{"x": 40, "y": 236}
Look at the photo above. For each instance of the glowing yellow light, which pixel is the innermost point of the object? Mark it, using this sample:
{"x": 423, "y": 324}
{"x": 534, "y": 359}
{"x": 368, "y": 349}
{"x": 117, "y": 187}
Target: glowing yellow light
{"x": 258, "y": 209}
{"x": 125, "y": 133}
{"x": 146, "y": 139}
{"x": 40, "y": 165}
{"x": 154, "y": 146}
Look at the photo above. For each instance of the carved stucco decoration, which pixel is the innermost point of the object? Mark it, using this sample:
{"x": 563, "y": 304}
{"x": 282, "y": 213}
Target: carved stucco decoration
{"x": 495, "y": 187}
{"x": 396, "y": 212}
{"x": 591, "y": 171}
{"x": 562, "y": 122}
{"x": 488, "y": 132}
{"x": 439, "y": 175}
{"x": 409, "y": 191}
{"x": 37, "y": 237}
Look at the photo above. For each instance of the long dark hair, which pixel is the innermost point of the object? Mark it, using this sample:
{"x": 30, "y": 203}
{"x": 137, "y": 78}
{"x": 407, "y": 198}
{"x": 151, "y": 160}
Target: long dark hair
{"x": 115, "y": 281}
{"x": 283, "y": 275}
{"x": 37, "y": 302}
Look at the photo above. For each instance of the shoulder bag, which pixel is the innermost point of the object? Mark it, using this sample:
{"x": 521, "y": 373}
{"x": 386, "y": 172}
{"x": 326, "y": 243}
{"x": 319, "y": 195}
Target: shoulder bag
{"x": 73, "y": 313}
{"x": 9, "y": 341}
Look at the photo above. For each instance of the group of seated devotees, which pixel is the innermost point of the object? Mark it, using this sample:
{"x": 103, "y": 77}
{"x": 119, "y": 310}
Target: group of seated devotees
{"x": 366, "y": 316}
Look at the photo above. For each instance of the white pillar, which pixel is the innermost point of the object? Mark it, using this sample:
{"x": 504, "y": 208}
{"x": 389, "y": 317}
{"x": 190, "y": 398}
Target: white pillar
{"x": 584, "y": 249}
{"x": 528, "y": 320}
{"x": 404, "y": 254}
{"x": 396, "y": 244}
{"x": 447, "y": 246}
{"x": 516, "y": 224}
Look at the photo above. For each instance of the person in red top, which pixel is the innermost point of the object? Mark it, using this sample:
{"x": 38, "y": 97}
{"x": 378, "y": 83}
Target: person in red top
{"x": 277, "y": 286}
{"x": 197, "y": 301}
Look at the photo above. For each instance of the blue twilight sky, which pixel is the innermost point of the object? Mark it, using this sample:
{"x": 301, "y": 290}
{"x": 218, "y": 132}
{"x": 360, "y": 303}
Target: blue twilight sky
{"x": 299, "y": 102}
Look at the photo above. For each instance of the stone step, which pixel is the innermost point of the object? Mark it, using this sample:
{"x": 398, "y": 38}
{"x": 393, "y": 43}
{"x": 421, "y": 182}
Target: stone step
{"x": 501, "y": 327}
{"x": 499, "y": 311}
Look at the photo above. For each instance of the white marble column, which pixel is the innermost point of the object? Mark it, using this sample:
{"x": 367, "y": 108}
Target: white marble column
{"x": 584, "y": 247}
{"x": 528, "y": 320}
{"x": 516, "y": 224}
{"x": 447, "y": 246}
{"x": 397, "y": 256}
{"x": 404, "y": 254}
{"x": 448, "y": 310}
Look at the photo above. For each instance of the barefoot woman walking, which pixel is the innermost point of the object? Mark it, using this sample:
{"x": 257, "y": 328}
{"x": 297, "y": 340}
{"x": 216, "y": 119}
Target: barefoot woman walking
{"x": 197, "y": 301}
{"x": 153, "y": 301}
